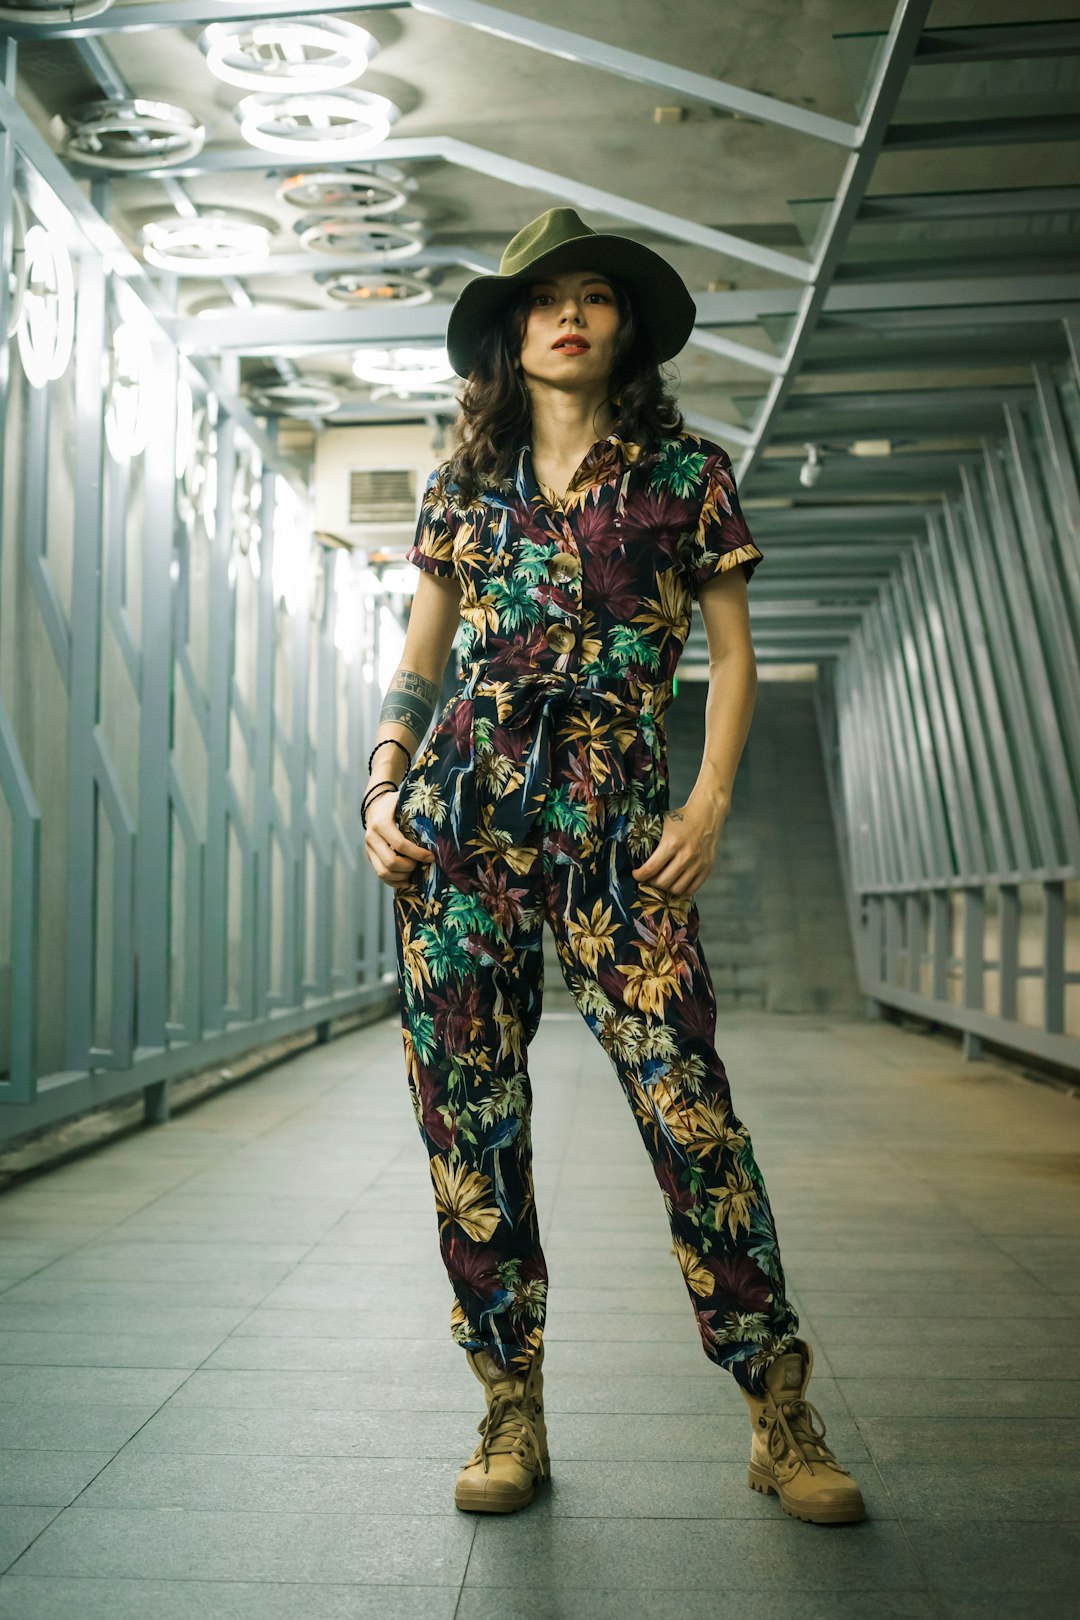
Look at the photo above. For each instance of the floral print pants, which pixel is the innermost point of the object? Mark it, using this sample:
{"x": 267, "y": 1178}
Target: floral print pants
{"x": 471, "y": 988}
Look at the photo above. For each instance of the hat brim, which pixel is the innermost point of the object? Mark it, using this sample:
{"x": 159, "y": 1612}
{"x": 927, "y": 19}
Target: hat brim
{"x": 662, "y": 300}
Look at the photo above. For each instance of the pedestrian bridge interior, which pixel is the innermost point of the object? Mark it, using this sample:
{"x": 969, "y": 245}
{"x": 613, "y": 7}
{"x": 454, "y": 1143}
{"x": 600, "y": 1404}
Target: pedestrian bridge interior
{"x": 231, "y": 232}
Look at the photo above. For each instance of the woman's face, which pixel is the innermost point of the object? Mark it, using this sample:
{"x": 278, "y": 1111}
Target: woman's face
{"x": 577, "y": 304}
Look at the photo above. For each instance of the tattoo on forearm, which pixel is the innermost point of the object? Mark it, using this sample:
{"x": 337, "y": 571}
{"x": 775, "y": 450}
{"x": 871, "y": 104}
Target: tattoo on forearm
{"x": 410, "y": 701}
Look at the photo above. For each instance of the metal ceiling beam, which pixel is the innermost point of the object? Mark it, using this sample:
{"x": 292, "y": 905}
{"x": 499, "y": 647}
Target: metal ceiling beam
{"x": 883, "y": 95}
{"x": 964, "y": 294}
{"x": 187, "y": 14}
{"x": 307, "y": 330}
{"x": 594, "y": 53}
{"x": 344, "y": 327}
{"x": 758, "y": 359}
{"x": 937, "y": 134}
{"x": 897, "y": 320}
{"x": 904, "y": 400}
{"x": 874, "y": 515}
{"x": 970, "y": 204}
{"x": 843, "y": 353}
{"x": 438, "y": 258}
{"x": 997, "y": 41}
{"x": 515, "y": 173}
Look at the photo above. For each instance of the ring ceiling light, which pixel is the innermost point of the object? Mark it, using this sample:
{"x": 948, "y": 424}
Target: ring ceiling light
{"x": 341, "y": 191}
{"x": 369, "y": 291}
{"x": 213, "y": 244}
{"x": 221, "y": 304}
{"x": 198, "y": 487}
{"x": 403, "y": 369}
{"x": 297, "y": 396}
{"x": 309, "y": 55}
{"x": 130, "y": 385}
{"x": 47, "y": 324}
{"x": 350, "y": 236}
{"x": 129, "y": 133}
{"x": 337, "y": 124}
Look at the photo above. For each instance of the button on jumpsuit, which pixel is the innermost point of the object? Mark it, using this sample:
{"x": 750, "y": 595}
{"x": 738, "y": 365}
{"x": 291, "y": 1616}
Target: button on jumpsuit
{"x": 542, "y": 785}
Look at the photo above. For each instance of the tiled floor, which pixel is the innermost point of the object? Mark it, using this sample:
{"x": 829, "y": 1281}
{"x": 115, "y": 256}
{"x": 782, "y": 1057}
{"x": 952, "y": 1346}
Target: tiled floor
{"x": 229, "y": 1391}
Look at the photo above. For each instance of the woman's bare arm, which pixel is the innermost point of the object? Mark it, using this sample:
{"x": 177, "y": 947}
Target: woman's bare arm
{"x": 686, "y": 852}
{"x": 406, "y": 712}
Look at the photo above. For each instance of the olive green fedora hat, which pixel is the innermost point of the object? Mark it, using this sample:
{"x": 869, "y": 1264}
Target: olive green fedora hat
{"x": 561, "y": 240}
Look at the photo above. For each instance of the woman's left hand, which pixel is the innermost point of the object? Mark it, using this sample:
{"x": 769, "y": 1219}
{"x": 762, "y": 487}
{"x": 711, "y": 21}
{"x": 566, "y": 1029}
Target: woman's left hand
{"x": 686, "y": 853}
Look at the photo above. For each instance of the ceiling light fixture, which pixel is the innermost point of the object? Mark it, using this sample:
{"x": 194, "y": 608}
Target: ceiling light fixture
{"x": 405, "y": 370}
{"x": 360, "y": 290}
{"x": 129, "y": 133}
{"x": 221, "y": 304}
{"x": 337, "y": 124}
{"x": 213, "y": 244}
{"x": 130, "y": 383}
{"x": 351, "y": 236}
{"x": 47, "y": 324}
{"x": 318, "y": 53}
{"x": 341, "y": 190}
{"x": 295, "y": 396}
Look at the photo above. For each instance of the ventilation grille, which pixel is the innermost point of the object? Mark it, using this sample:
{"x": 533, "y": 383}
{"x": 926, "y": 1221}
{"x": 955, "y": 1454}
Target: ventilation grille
{"x": 382, "y": 495}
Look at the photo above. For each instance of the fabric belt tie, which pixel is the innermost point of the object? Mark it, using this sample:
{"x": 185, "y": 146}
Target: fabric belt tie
{"x": 517, "y": 721}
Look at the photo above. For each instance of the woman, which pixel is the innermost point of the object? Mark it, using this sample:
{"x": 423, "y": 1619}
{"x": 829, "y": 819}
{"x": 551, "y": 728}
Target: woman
{"x": 570, "y": 531}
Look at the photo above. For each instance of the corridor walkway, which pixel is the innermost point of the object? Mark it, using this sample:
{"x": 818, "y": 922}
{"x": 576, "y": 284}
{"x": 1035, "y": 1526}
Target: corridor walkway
{"x": 229, "y": 1391}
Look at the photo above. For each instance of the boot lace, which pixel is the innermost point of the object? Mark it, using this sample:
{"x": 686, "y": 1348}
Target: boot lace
{"x": 794, "y": 1430}
{"x": 506, "y": 1427}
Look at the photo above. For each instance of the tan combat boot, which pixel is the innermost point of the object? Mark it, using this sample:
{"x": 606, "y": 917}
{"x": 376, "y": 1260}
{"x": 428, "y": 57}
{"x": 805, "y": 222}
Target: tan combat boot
{"x": 788, "y": 1454}
{"x": 502, "y": 1472}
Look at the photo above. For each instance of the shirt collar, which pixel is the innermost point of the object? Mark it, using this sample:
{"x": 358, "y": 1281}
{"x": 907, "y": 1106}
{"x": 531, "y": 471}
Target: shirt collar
{"x": 605, "y": 459}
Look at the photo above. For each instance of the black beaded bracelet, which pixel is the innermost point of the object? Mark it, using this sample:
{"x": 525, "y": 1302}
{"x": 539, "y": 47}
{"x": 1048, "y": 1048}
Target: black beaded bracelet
{"x": 372, "y": 794}
{"x": 388, "y": 742}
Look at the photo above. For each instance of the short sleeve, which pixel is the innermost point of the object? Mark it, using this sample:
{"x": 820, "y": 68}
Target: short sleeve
{"x": 433, "y": 545}
{"x": 721, "y": 538}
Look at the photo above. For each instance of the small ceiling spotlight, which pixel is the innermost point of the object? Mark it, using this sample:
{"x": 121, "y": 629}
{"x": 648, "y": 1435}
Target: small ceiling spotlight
{"x": 335, "y": 124}
{"x": 128, "y": 133}
{"x": 216, "y": 243}
{"x": 370, "y": 291}
{"x": 351, "y": 236}
{"x": 404, "y": 370}
{"x": 342, "y": 190}
{"x": 300, "y": 56}
{"x": 810, "y": 471}
{"x": 296, "y": 396}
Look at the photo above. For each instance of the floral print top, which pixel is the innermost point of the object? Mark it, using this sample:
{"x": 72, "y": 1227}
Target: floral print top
{"x": 575, "y": 616}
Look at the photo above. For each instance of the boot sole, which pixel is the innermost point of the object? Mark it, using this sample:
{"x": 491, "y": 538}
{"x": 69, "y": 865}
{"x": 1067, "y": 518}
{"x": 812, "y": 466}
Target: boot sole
{"x": 767, "y": 1487}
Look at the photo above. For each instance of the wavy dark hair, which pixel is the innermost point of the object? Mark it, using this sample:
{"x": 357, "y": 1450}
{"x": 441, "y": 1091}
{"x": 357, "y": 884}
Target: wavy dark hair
{"x": 496, "y": 412}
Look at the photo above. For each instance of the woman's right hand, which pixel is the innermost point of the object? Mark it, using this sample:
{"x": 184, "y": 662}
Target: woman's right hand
{"x": 394, "y": 857}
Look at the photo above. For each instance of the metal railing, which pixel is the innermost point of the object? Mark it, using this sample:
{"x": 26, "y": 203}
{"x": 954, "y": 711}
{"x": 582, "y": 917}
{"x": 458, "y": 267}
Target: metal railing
{"x": 954, "y": 742}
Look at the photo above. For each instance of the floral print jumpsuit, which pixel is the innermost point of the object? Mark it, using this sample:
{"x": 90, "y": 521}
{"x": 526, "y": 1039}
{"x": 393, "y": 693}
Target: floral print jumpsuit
{"x": 543, "y": 783}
